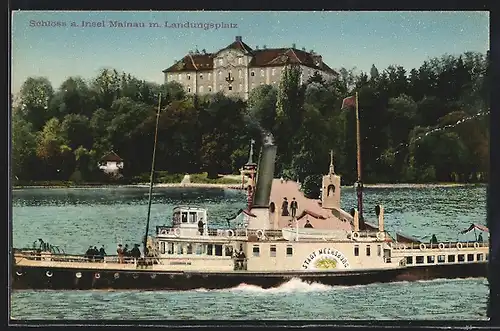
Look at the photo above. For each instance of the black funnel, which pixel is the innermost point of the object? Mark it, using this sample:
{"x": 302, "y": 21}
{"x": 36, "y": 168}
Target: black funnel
{"x": 265, "y": 176}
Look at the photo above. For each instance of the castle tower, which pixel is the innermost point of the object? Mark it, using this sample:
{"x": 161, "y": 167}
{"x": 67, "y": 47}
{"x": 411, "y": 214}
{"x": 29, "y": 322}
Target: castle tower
{"x": 330, "y": 195}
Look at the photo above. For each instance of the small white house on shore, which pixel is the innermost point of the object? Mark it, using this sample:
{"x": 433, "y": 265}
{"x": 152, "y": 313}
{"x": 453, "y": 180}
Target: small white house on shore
{"x": 111, "y": 163}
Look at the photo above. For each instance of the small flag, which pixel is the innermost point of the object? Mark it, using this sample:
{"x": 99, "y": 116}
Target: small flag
{"x": 349, "y": 102}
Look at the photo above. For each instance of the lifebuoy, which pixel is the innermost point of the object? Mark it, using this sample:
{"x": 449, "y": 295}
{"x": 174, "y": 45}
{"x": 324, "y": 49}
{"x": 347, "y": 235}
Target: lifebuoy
{"x": 19, "y": 273}
{"x": 355, "y": 235}
{"x": 78, "y": 275}
{"x": 422, "y": 247}
{"x": 48, "y": 273}
{"x": 230, "y": 233}
{"x": 459, "y": 245}
{"x": 476, "y": 245}
{"x": 97, "y": 275}
{"x": 116, "y": 275}
{"x": 380, "y": 235}
{"x": 163, "y": 231}
{"x": 402, "y": 246}
{"x": 177, "y": 232}
{"x": 441, "y": 246}
{"x": 260, "y": 233}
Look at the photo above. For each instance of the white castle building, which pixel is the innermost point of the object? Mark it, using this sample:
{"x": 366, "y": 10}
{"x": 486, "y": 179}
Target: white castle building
{"x": 237, "y": 69}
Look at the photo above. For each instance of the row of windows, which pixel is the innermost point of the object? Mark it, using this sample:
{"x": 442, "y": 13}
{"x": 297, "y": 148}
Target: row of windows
{"x": 272, "y": 251}
{"x": 197, "y": 249}
{"x": 230, "y": 87}
{"x": 240, "y": 74}
{"x": 368, "y": 250}
{"x": 450, "y": 258}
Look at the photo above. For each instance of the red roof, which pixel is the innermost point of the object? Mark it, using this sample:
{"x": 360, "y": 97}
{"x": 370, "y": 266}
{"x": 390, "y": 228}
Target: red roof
{"x": 112, "y": 157}
{"x": 260, "y": 58}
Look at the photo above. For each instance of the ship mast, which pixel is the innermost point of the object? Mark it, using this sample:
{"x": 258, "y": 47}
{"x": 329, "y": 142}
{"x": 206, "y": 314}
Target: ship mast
{"x": 359, "y": 183}
{"x": 151, "y": 179}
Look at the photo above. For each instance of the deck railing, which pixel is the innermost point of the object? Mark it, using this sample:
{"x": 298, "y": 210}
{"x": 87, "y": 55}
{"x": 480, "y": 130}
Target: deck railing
{"x": 138, "y": 263}
{"x": 439, "y": 246}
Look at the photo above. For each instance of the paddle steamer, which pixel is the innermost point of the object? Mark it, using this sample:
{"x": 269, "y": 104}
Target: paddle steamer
{"x": 264, "y": 245}
{"x": 340, "y": 249}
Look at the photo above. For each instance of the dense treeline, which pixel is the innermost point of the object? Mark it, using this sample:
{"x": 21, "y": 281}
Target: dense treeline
{"x": 408, "y": 125}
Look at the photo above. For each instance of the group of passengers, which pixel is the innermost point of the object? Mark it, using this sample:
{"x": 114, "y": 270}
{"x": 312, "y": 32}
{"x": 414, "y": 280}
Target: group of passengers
{"x": 95, "y": 255}
{"x": 124, "y": 252}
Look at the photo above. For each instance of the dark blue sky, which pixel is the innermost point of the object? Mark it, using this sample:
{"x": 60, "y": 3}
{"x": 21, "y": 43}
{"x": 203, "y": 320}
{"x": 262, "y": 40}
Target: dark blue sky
{"x": 345, "y": 39}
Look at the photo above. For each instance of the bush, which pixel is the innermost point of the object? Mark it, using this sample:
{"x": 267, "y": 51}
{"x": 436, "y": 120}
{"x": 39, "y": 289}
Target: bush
{"x": 203, "y": 179}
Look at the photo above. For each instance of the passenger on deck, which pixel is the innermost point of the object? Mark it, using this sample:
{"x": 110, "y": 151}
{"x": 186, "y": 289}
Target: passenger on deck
{"x": 308, "y": 224}
{"x": 240, "y": 261}
{"x": 135, "y": 252}
{"x": 480, "y": 238}
{"x": 284, "y": 207}
{"x": 293, "y": 207}
{"x": 119, "y": 251}
{"x": 89, "y": 253}
{"x": 102, "y": 253}
{"x": 200, "y": 226}
{"x": 434, "y": 239}
{"x": 95, "y": 254}
{"x": 126, "y": 252}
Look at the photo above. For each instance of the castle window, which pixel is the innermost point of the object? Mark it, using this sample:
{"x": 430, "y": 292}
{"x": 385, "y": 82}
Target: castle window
{"x": 230, "y": 88}
{"x": 189, "y": 77}
{"x": 210, "y": 89}
{"x": 189, "y": 89}
{"x": 252, "y": 73}
{"x": 201, "y": 76}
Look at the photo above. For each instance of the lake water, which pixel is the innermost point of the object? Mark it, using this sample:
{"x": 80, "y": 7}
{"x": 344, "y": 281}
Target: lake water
{"x": 73, "y": 219}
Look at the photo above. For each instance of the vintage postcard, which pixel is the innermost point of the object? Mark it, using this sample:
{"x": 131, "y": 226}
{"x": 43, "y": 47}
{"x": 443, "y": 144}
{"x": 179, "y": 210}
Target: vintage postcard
{"x": 249, "y": 165}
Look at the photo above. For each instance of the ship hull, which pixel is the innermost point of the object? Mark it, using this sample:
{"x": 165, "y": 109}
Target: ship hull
{"x": 143, "y": 279}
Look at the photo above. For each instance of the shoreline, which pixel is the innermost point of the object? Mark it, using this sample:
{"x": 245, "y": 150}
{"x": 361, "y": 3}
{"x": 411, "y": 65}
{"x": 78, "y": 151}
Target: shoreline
{"x": 235, "y": 186}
